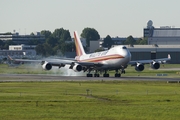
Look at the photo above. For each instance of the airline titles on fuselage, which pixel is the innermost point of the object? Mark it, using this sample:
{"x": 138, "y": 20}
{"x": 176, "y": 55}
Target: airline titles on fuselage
{"x": 98, "y": 54}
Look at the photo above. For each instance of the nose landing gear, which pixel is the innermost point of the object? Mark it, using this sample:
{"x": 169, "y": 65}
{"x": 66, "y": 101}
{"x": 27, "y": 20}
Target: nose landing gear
{"x": 118, "y": 74}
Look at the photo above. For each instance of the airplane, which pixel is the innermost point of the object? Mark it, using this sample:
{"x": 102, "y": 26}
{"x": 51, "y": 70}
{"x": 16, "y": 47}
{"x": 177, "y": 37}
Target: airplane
{"x": 116, "y": 58}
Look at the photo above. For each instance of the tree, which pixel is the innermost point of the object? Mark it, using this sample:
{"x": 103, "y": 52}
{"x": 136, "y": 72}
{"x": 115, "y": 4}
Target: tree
{"x": 58, "y": 32}
{"x": 62, "y": 35}
{"x": 40, "y": 50}
{"x": 44, "y": 50}
{"x": 66, "y": 47}
{"x": 130, "y": 41}
{"x": 90, "y": 34}
{"x": 7, "y": 43}
{"x": 52, "y": 41}
{"x": 108, "y": 42}
{"x": 46, "y": 33}
{"x": 48, "y": 49}
{"x": 32, "y": 34}
{"x": 142, "y": 41}
{"x": 66, "y": 36}
{"x": 70, "y": 47}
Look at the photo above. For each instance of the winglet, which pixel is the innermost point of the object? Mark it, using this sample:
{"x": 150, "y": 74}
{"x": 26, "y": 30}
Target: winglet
{"x": 78, "y": 44}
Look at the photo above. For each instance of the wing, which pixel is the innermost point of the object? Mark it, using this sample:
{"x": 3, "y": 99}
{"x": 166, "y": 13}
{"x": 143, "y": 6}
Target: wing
{"x": 161, "y": 60}
{"x": 155, "y": 63}
{"x": 60, "y": 62}
{"x": 53, "y": 62}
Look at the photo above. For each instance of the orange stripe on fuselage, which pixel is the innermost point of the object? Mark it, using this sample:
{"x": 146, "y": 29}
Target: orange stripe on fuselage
{"x": 99, "y": 59}
{"x": 78, "y": 49}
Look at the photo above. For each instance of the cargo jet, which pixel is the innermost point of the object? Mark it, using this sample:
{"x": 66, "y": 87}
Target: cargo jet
{"x": 116, "y": 58}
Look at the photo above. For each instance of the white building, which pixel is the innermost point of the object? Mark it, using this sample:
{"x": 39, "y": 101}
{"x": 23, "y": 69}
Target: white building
{"x": 19, "y": 51}
{"x": 22, "y": 47}
{"x": 165, "y": 35}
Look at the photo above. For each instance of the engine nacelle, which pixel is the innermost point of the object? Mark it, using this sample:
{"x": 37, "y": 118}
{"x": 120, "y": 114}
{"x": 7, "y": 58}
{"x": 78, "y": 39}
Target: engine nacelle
{"x": 139, "y": 67}
{"x": 47, "y": 66}
{"x": 155, "y": 65}
{"x": 77, "y": 68}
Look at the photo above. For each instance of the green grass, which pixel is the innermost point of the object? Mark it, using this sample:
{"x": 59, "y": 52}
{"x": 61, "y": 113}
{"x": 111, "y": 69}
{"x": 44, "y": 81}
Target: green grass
{"x": 116, "y": 100}
{"x": 89, "y": 100}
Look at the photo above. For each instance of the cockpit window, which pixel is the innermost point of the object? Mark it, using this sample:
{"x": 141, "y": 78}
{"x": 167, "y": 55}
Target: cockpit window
{"x": 124, "y": 47}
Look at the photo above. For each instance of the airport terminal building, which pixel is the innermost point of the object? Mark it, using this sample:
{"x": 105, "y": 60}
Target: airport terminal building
{"x": 19, "y": 51}
{"x": 22, "y": 39}
{"x": 165, "y": 35}
{"x": 22, "y": 49}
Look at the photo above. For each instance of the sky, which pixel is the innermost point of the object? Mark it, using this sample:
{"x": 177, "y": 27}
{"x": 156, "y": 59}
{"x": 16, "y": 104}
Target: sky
{"x": 109, "y": 17}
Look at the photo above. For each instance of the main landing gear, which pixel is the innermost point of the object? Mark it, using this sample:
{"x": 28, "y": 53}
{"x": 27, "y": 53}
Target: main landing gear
{"x": 96, "y": 74}
{"x": 105, "y": 74}
{"x": 91, "y": 75}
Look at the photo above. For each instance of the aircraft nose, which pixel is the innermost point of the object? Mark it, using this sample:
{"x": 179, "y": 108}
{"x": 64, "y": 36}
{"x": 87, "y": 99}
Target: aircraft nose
{"x": 127, "y": 56}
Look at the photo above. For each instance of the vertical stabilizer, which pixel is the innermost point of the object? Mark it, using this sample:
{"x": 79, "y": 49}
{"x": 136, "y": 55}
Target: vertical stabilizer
{"x": 78, "y": 44}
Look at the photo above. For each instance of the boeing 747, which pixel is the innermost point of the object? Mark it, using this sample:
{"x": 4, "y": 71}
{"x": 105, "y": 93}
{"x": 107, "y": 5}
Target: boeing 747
{"x": 116, "y": 58}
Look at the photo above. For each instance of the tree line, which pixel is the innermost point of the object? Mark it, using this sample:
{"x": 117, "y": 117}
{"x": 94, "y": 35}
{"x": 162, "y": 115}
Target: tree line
{"x": 60, "y": 41}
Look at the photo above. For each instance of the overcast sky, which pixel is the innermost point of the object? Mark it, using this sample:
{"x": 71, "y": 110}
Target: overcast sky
{"x": 109, "y": 17}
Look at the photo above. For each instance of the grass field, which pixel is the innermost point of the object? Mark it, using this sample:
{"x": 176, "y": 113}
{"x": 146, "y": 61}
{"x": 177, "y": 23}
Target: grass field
{"x": 89, "y": 100}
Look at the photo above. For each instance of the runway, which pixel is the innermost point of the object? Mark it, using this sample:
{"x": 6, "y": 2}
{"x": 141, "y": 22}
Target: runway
{"x": 48, "y": 78}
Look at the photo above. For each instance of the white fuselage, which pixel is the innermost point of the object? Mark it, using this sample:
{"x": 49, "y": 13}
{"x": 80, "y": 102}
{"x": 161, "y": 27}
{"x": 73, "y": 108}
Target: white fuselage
{"x": 116, "y": 57}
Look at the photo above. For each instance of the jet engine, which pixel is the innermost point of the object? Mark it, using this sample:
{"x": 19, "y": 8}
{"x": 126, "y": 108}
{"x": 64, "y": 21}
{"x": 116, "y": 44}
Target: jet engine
{"x": 139, "y": 67}
{"x": 155, "y": 65}
{"x": 47, "y": 66}
{"x": 77, "y": 68}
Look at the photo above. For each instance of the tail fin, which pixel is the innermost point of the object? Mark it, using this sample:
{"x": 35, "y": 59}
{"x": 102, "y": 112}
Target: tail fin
{"x": 78, "y": 44}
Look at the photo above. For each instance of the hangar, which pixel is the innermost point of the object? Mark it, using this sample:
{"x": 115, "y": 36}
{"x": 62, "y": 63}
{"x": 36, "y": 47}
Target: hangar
{"x": 142, "y": 52}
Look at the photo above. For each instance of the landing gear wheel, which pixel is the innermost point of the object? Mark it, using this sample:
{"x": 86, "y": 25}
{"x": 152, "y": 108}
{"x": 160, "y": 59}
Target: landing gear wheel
{"x": 96, "y": 75}
{"x": 89, "y": 75}
{"x": 117, "y": 75}
{"x": 105, "y": 75}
